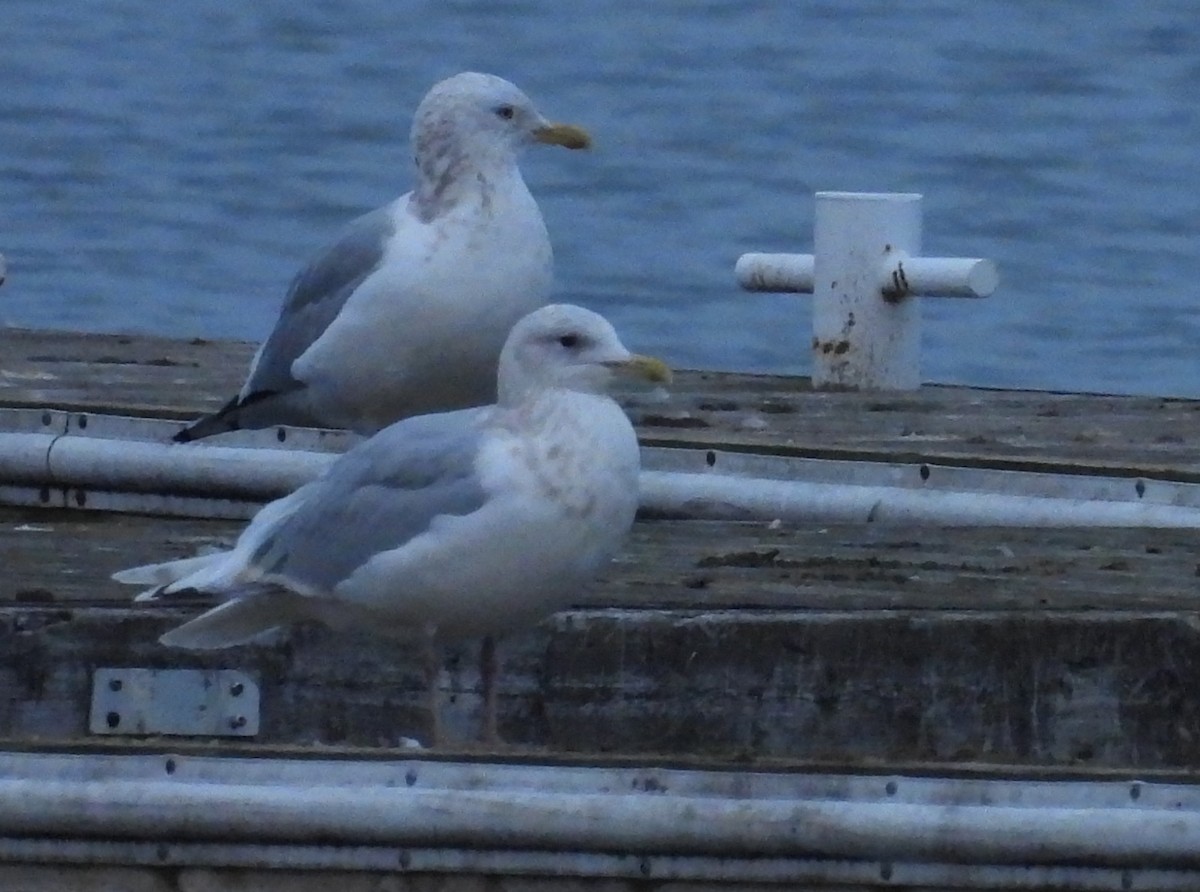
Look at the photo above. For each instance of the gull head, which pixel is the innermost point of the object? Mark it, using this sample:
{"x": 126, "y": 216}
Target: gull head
{"x": 484, "y": 117}
{"x": 567, "y": 347}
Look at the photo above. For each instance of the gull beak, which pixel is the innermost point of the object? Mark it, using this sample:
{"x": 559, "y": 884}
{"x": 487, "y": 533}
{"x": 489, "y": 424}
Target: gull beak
{"x": 646, "y": 367}
{"x": 567, "y": 135}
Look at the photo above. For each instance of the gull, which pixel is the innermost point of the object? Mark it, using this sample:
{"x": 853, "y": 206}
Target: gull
{"x": 444, "y": 527}
{"x": 406, "y": 312}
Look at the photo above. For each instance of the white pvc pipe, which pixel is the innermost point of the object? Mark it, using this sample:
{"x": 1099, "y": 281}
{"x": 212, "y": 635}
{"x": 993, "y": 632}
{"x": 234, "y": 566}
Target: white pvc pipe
{"x": 257, "y": 475}
{"x": 628, "y": 822}
{"x": 159, "y": 467}
{"x": 866, "y": 275}
{"x": 775, "y": 273}
{"x": 861, "y": 341}
{"x": 926, "y": 276}
{"x": 141, "y": 466}
{"x": 944, "y": 276}
{"x": 24, "y": 458}
{"x": 719, "y": 496}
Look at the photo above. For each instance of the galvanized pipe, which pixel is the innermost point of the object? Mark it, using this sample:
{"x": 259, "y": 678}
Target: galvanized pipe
{"x": 137, "y": 466}
{"x": 203, "y": 475}
{"x": 25, "y": 458}
{"x": 720, "y": 496}
{"x": 635, "y": 822}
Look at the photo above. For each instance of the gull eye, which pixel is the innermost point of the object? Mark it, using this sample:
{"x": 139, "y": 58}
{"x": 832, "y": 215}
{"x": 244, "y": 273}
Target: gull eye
{"x": 569, "y": 340}
{"x": 505, "y": 111}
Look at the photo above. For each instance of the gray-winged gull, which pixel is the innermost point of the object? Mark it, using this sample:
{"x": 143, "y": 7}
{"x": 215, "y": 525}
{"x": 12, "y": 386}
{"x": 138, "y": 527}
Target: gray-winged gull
{"x": 449, "y": 526}
{"x": 407, "y": 311}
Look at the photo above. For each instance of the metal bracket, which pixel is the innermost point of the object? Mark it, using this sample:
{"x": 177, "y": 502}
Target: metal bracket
{"x": 179, "y": 702}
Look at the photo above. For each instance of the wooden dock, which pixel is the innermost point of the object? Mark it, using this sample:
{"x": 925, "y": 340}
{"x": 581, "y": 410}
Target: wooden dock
{"x": 859, "y": 642}
{"x": 1008, "y": 652}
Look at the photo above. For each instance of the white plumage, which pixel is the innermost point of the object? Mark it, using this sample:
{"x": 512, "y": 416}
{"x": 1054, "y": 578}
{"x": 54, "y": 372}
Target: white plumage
{"x": 407, "y": 311}
{"x": 442, "y": 527}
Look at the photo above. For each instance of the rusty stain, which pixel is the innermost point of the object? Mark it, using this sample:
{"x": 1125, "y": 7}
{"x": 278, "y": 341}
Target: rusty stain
{"x": 899, "y": 287}
{"x": 837, "y": 348}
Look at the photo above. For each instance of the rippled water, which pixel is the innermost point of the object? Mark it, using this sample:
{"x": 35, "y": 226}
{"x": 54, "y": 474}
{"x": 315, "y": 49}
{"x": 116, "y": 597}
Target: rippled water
{"x": 167, "y": 167}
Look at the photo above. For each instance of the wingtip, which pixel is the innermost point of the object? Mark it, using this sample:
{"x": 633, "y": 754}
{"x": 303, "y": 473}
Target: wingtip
{"x": 219, "y": 422}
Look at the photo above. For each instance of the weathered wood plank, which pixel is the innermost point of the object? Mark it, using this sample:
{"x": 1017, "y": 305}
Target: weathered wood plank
{"x": 146, "y": 375}
{"x": 1056, "y": 688}
{"x": 1148, "y": 435}
{"x": 724, "y": 639}
{"x": 67, "y": 557}
{"x": 69, "y": 878}
{"x": 721, "y": 640}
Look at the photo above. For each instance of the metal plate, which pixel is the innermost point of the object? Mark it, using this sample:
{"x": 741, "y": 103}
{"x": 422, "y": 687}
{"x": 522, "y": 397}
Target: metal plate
{"x": 179, "y": 702}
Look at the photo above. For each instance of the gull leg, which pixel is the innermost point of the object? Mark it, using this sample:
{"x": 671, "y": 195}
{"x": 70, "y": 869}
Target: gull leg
{"x": 431, "y": 664}
{"x": 489, "y": 668}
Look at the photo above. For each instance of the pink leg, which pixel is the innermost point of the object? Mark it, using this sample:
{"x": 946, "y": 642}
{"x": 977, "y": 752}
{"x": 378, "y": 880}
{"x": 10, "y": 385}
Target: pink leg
{"x": 489, "y": 668}
{"x": 431, "y": 660}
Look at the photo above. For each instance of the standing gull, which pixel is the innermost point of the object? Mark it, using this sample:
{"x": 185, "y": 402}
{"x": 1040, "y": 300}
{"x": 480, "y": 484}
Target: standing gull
{"x": 442, "y": 527}
{"x": 407, "y": 311}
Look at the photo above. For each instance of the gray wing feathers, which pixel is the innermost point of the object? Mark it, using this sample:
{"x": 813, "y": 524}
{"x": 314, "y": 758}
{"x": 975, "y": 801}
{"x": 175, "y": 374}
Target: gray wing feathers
{"x": 315, "y": 298}
{"x": 377, "y": 497}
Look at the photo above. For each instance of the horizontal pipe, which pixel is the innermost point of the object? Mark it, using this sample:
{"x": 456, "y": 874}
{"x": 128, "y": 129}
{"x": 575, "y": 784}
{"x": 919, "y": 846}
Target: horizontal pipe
{"x": 24, "y": 458}
{"x": 776, "y": 273}
{"x": 510, "y": 869}
{"x": 923, "y": 276}
{"x": 141, "y": 466}
{"x": 257, "y": 474}
{"x": 633, "y": 822}
{"x": 942, "y": 276}
{"x": 721, "y": 496}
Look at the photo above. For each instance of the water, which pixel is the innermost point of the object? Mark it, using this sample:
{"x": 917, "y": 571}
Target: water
{"x": 167, "y": 168}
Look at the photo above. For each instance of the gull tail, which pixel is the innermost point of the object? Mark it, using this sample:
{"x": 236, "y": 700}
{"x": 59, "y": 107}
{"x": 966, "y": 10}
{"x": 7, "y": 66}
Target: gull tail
{"x": 207, "y": 575}
{"x": 225, "y": 419}
{"x": 239, "y": 621}
{"x": 161, "y": 574}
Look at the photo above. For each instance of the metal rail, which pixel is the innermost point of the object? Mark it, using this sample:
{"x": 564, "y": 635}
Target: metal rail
{"x": 630, "y": 822}
{"x": 61, "y": 459}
